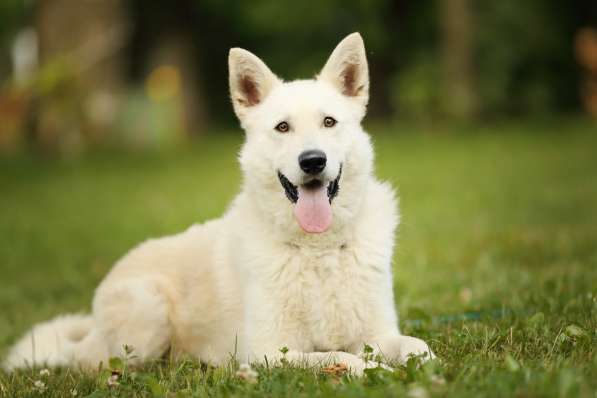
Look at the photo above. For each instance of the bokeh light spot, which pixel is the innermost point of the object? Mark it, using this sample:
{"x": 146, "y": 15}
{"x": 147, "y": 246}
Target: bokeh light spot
{"x": 163, "y": 83}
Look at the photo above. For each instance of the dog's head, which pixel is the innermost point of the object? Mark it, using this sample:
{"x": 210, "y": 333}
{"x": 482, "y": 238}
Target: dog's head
{"x": 306, "y": 159}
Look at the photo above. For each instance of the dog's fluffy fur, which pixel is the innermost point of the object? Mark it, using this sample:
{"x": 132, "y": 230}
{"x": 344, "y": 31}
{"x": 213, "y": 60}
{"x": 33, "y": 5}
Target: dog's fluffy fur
{"x": 254, "y": 281}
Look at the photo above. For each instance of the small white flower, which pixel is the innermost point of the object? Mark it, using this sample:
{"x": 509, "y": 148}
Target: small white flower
{"x": 417, "y": 392}
{"x": 39, "y": 385}
{"x": 74, "y": 392}
{"x": 44, "y": 372}
{"x": 246, "y": 373}
{"x": 113, "y": 381}
{"x": 466, "y": 295}
{"x": 437, "y": 381}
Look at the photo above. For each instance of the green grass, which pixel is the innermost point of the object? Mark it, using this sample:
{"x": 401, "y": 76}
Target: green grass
{"x": 496, "y": 264}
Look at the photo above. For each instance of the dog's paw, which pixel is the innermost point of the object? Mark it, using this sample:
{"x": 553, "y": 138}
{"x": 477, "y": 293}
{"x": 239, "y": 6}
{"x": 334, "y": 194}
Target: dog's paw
{"x": 411, "y": 346}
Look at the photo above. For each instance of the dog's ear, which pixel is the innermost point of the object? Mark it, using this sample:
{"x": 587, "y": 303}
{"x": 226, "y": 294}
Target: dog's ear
{"x": 250, "y": 80}
{"x": 347, "y": 69}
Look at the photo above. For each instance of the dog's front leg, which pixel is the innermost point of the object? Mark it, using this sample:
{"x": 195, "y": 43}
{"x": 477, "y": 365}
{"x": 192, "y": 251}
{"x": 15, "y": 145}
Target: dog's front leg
{"x": 284, "y": 345}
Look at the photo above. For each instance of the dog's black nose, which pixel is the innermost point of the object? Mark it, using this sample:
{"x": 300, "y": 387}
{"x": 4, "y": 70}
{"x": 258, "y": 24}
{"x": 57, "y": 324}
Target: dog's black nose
{"x": 312, "y": 161}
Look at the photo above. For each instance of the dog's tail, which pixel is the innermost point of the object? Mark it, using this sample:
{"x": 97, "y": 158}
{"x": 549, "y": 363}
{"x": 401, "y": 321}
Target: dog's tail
{"x": 67, "y": 340}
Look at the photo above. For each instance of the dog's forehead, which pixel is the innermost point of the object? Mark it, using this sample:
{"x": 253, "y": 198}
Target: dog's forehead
{"x": 303, "y": 97}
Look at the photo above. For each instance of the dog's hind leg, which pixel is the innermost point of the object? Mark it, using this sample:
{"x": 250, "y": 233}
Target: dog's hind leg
{"x": 133, "y": 312}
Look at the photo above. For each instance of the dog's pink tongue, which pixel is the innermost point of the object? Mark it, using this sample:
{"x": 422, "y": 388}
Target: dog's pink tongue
{"x": 313, "y": 210}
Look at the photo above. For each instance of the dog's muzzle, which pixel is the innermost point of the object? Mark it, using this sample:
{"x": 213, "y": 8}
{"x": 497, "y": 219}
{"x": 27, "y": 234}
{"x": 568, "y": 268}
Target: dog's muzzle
{"x": 291, "y": 190}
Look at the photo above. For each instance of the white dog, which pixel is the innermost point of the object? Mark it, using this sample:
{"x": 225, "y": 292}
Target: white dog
{"x": 301, "y": 259}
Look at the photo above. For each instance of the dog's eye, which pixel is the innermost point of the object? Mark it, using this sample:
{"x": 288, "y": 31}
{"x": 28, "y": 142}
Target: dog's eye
{"x": 329, "y": 121}
{"x": 282, "y": 127}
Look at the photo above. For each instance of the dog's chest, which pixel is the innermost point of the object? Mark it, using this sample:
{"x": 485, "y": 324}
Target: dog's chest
{"x": 333, "y": 295}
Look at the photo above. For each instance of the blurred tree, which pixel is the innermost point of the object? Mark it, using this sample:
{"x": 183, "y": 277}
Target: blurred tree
{"x": 415, "y": 84}
{"x": 524, "y": 56}
{"x": 85, "y": 40}
{"x": 14, "y": 18}
{"x": 459, "y": 95}
{"x": 585, "y": 44}
{"x": 13, "y": 15}
{"x": 518, "y": 54}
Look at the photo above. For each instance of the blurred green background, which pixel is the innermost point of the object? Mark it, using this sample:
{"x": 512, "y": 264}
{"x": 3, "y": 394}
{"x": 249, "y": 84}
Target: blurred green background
{"x": 115, "y": 126}
{"x": 131, "y": 73}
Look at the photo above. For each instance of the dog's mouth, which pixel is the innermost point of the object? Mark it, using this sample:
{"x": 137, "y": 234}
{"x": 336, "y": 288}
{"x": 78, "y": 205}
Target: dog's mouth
{"x": 313, "y": 201}
{"x": 292, "y": 193}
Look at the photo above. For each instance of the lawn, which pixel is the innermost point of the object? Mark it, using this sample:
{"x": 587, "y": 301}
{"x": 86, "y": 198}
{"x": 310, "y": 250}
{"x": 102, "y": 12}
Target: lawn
{"x": 496, "y": 263}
